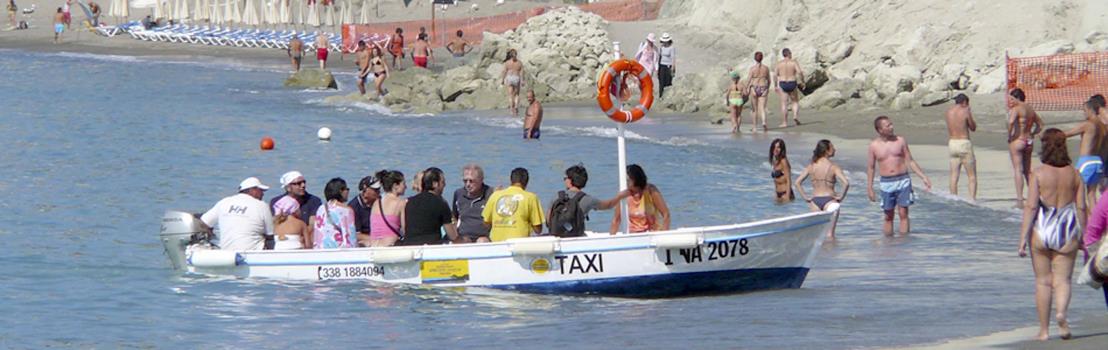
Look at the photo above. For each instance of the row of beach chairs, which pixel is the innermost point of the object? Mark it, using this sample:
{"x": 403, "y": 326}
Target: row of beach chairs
{"x": 223, "y": 36}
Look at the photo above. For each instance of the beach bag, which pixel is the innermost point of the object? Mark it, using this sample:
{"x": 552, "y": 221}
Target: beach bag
{"x": 566, "y": 217}
{"x": 1095, "y": 272}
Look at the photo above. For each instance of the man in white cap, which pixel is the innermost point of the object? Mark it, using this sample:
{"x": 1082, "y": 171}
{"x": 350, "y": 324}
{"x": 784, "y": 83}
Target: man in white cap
{"x": 667, "y": 63}
{"x": 244, "y": 221}
{"x": 294, "y": 184}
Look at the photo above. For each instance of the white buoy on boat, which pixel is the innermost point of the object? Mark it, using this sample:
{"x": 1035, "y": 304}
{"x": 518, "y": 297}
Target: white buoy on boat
{"x": 324, "y": 134}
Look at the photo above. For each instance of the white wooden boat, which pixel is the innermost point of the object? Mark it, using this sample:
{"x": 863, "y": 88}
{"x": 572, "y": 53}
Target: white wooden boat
{"x": 769, "y": 254}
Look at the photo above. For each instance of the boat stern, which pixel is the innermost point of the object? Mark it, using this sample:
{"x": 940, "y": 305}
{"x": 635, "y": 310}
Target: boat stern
{"x": 177, "y": 231}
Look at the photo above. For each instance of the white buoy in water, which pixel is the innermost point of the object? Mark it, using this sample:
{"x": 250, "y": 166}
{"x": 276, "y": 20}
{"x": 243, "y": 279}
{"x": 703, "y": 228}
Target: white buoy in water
{"x": 324, "y": 134}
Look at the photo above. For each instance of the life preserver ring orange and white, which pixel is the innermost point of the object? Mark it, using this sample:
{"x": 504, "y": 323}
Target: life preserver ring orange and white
{"x": 608, "y": 77}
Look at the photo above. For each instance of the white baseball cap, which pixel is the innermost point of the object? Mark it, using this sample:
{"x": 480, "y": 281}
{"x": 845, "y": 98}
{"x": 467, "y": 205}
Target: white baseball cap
{"x": 289, "y": 177}
{"x": 252, "y": 182}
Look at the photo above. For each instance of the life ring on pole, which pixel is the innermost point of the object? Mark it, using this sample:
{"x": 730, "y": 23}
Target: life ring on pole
{"x": 608, "y": 77}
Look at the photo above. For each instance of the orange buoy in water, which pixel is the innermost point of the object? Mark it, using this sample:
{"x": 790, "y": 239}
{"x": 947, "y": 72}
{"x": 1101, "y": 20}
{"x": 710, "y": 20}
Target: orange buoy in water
{"x": 267, "y": 143}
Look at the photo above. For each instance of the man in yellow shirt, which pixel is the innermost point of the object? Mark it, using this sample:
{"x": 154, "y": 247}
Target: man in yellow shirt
{"x": 513, "y": 212}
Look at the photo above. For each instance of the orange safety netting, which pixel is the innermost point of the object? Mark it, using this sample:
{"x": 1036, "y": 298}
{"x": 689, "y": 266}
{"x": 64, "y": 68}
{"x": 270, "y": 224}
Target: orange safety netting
{"x": 1060, "y": 82}
{"x": 472, "y": 28}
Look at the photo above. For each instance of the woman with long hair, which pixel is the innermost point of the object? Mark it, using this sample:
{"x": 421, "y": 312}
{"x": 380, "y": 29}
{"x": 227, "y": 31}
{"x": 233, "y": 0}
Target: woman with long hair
{"x": 380, "y": 70}
{"x": 386, "y": 227}
{"x": 1052, "y": 218}
{"x": 334, "y": 221}
{"x": 512, "y": 78}
{"x": 647, "y": 209}
{"x": 782, "y": 171}
{"x": 825, "y": 174}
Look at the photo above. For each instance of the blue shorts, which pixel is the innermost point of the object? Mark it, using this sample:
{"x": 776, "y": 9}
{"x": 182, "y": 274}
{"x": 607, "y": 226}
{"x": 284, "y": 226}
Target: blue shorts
{"x": 896, "y": 191}
{"x": 59, "y": 28}
{"x": 1091, "y": 169}
{"x": 535, "y": 133}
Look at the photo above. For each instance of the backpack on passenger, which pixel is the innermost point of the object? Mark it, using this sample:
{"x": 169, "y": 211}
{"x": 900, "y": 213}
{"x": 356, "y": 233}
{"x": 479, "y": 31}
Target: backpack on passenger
{"x": 566, "y": 217}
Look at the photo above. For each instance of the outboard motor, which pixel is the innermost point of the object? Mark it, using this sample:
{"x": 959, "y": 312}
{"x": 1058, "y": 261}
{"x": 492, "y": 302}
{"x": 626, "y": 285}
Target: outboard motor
{"x": 179, "y": 230}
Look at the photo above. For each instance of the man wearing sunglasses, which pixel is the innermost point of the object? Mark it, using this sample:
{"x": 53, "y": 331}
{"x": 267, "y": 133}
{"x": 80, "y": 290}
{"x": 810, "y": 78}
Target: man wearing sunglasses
{"x": 469, "y": 201}
{"x": 295, "y": 186}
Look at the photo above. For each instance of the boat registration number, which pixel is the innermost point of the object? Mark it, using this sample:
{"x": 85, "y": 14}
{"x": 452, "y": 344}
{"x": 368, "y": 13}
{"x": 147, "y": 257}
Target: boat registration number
{"x": 346, "y": 272}
{"x": 711, "y": 251}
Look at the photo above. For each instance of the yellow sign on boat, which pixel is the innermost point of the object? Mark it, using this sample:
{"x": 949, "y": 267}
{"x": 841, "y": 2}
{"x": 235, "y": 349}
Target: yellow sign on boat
{"x": 444, "y": 271}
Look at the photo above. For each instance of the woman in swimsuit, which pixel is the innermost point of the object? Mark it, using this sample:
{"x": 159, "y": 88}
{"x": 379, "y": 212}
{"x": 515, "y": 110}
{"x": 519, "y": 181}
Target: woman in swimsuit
{"x": 647, "y": 210}
{"x": 782, "y": 171}
{"x": 758, "y": 85}
{"x": 291, "y": 232}
{"x": 386, "y": 226}
{"x": 512, "y": 77}
{"x": 380, "y": 70}
{"x": 333, "y": 223}
{"x": 1023, "y": 125}
{"x": 1051, "y": 226}
{"x": 825, "y": 173}
{"x": 735, "y": 98}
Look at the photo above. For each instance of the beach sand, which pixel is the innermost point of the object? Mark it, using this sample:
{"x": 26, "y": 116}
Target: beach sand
{"x": 849, "y": 128}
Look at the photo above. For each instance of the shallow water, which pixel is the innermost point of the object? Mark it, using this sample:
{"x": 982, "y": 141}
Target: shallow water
{"x": 97, "y": 147}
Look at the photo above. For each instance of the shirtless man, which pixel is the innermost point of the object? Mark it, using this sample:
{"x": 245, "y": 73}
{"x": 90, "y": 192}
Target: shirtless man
{"x": 1093, "y": 149}
{"x": 512, "y": 77}
{"x": 458, "y": 46}
{"x": 890, "y": 154}
{"x": 824, "y": 174}
{"x": 321, "y": 46}
{"x": 758, "y": 85}
{"x": 789, "y": 77}
{"x": 361, "y": 60}
{"x": 421, "y": 52}
{"x": 396, "y": 47}
{"x": 59, "y": 25}
{"x": 296, "y": 52}
{"x": 1023, "y": 125}
{"x": 533, "y": 118}
{"x": 959, "y": 124}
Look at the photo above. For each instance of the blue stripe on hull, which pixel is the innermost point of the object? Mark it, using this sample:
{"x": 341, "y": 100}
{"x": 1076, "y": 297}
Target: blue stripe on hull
{"x": 673, "y": 285}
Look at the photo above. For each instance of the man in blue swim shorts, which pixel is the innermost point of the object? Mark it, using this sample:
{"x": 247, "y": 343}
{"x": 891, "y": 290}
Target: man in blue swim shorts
{"x": 533, "y": 118}
{"x": 59, "y": 25}
{"x": 890, "y": 154}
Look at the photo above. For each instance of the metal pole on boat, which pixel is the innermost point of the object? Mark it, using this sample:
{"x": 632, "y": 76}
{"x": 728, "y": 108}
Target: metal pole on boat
{"x": 621, "y": 145}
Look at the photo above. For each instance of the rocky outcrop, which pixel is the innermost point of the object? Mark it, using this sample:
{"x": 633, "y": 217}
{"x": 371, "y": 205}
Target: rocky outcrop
{"x": 312, "y": 78}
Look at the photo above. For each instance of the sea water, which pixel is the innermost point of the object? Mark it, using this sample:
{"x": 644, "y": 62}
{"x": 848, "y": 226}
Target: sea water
{"x": 96, "y": 148}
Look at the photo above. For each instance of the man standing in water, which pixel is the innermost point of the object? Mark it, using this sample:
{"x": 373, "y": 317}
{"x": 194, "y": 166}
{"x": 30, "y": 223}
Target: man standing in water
{"x": 59, "y": 25}
{"x": 790, "y": 79}
{"x": 890, "y": 154}
{"x": 361, "y": 60}
{"x": 1023, "y": 125}
{"x": 296, "y": 52}
{"x": 959, "y": 124}
{"x": 533, "y": 118}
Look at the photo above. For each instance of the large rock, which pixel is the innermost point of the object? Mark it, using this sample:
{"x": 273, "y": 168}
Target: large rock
{"x": 889, "y": 81}
{"x": 990, "y": 82}
{"x": 312, "y": 78}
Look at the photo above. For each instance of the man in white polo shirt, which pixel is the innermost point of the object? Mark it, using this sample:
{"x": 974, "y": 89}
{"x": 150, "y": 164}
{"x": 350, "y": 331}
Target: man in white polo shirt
{"x": 243, "y": 219}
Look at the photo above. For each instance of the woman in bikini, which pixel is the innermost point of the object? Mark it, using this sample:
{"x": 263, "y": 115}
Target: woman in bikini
{"x": 825, "y": 174}
{"x": 647, "y": 210}
{"x": 291, "y": 232}
{"x": 734, "y": 98}
{"x": 333, "y": 223}
{"x": 386, "y": 224}
{"x": 1023, "y": 125}
{"x": 782, "y": 171}
{"x": 512, "y": 78}
{"x": 758, "y": 85}
{"x": 1052, "y": 219}
{"x": 380, "y": 70}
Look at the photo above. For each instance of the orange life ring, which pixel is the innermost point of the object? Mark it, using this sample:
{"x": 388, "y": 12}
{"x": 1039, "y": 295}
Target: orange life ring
{"x": 603, "y": 94}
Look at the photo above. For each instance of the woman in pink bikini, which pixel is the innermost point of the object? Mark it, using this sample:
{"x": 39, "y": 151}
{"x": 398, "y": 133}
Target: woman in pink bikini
{"x": 386, "y": 226}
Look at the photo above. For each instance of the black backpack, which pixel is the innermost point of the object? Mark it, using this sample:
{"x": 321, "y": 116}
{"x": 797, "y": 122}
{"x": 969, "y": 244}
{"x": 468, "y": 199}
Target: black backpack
{"x": 566, "y": 217}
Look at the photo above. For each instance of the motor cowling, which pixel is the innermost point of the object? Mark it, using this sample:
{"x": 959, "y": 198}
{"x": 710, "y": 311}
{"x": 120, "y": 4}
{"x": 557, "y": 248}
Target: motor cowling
{"x": 179, "y": 229}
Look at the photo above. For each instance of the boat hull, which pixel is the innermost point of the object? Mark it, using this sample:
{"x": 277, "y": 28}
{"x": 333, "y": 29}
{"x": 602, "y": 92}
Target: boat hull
{"x": 771, "y": 254}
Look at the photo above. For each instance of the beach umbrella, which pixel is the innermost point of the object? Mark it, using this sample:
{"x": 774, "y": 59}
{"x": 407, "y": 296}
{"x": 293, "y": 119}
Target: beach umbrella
{"x": 364, "y": 18}
{"x": 344, "y": 15}
{"x": 236, "y": 11}
{"x": 125, "y": 8}
{"x": 183, "y": 10}
{"x": 227, "y": 13}
{"x": 201, "y": 10}
{"x": 329, "y": 14}
{"x": 313, "y": 15}
{"x": 267, "y": 12}
{"x": 216, "y": 12}
{"x": 284, "y": 12}
{"x": 300, "y": 12}
{"x": 250, "y": 14}
{"x": 159, "y": 9}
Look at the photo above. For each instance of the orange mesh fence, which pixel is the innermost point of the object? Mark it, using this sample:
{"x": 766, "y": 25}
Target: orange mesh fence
{"x": 1060, "y": 82}
{"x": 472, "y": 28}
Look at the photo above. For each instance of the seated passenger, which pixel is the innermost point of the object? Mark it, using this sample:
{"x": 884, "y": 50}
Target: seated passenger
{"x": 290, "y": 231}
{"x": 370, "y": 189}
{"x": 243, "y": 219}
{"x": 513, "y": 212}
{"x": 469, "y": 202}
{"x": 570, "y": 209}
{"x": 334, "y": 221}
{"x": 645, "y": 205}
{"x": 386, "y": 227}
{"x": 426, "y": 215}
